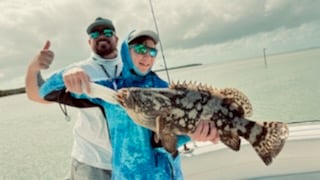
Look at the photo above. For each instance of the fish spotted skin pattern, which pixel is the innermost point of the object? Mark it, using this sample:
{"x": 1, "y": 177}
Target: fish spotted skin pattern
{"x": 177, "y": 111}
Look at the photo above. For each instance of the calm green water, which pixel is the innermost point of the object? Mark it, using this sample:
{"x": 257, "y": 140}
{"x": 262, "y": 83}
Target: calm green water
{"x": 36, "y": 141}
{"x": 287, "y": 90}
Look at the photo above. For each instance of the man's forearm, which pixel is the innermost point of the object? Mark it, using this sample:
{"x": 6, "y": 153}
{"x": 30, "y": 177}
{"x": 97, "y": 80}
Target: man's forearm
{"x": 33, "y": 81}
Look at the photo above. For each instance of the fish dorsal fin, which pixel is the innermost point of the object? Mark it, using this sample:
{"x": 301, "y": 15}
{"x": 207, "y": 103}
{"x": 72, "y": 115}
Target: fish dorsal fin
{"x": 240, "y": 99}
{"x": 192, "y": 86}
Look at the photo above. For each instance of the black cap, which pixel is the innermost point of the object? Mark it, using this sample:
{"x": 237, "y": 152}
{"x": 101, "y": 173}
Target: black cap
{"x": 134, "y": 35}
{"x": 101, "y": 22}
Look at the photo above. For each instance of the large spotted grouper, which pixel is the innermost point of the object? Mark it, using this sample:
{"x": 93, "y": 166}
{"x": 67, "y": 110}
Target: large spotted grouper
{"x": 177, "y": 111}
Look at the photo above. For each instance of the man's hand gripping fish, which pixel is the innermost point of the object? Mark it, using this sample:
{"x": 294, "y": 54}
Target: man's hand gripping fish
{"x": 178, "y": 110}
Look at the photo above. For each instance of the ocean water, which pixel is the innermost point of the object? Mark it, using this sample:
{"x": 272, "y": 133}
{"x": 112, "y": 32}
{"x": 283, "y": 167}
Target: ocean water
{"x": 287, "y": 89}
{"x": 36, "y": 140}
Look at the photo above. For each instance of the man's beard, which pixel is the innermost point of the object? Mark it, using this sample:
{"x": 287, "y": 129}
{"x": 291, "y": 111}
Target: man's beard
{"x": 104, "y": 47}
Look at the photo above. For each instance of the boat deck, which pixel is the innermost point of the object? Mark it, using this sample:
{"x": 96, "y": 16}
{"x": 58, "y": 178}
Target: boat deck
{"x": 300, "y": 158}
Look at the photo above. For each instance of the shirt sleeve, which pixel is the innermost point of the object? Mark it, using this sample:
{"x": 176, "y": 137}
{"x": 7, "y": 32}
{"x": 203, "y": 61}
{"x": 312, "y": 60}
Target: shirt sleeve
{"x": 53, "y": 83}
{"x": 54, "y": 90}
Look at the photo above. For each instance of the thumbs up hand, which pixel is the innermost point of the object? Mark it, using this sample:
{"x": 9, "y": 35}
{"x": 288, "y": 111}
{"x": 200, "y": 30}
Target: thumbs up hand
{"x": 44, "y": 59}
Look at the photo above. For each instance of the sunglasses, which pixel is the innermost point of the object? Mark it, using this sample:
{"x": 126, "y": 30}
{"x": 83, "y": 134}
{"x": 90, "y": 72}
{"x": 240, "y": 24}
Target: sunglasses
{"x": 106, "y": 33}
{"x": 142, "y": 49}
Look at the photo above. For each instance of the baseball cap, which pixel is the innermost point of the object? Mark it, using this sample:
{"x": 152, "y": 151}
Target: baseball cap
{"x": 101, "y": 22}
{"x": 134, "y": 35}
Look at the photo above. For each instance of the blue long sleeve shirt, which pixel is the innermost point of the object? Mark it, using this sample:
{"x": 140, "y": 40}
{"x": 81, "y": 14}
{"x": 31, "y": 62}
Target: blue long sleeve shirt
{"x": 134, "y": 154}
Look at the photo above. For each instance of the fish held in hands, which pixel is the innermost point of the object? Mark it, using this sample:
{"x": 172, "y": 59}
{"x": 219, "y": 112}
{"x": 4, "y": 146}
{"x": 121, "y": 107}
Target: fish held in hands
{"x": 178, "y": 110}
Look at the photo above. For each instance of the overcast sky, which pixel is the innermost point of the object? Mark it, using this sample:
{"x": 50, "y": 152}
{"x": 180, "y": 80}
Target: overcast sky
{"x": 199, "y": 31}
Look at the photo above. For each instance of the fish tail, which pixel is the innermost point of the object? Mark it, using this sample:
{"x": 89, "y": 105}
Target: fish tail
{"x": 268, "y": 139}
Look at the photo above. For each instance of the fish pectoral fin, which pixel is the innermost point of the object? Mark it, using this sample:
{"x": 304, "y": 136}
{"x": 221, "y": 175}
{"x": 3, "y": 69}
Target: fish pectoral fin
{"x": 233, "y": 141}
{"x": 169, "y": 142}
{"x": 167, "y": 138}
{"x": 159, "y": 126}
{"x": 156, "y": 138}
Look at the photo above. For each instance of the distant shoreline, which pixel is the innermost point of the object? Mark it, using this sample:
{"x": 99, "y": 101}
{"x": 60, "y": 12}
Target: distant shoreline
{"x": 9, "y": 92}
{"x": 15, "y": 91}
{"x": 21, "y": 90}
{"x": 179, "y": 67}
{"x": 270, "y": 54}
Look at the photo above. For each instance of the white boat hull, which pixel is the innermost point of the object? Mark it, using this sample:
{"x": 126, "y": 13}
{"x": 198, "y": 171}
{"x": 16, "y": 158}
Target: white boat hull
{"x": 300, "y": 158}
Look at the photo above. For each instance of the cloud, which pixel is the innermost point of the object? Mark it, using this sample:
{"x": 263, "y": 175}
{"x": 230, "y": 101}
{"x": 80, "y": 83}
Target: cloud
{"x": 203, "y": 29}
{"x": 217, "y": 23}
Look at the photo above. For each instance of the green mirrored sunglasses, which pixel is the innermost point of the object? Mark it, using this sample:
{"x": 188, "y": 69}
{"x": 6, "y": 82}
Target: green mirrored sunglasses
{"x": 143, "y": 49}
{"x": 105, "y": 32}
